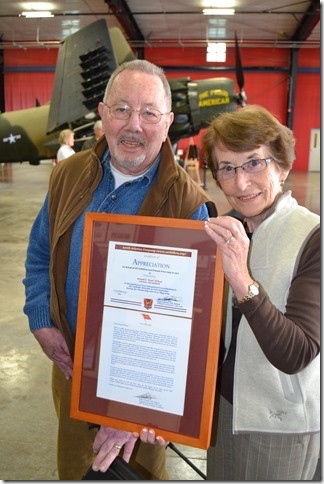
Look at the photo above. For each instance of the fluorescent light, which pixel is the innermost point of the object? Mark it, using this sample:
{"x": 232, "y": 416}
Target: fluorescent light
{"x": 218, "y": 11}
{"x": 37, "y": 14}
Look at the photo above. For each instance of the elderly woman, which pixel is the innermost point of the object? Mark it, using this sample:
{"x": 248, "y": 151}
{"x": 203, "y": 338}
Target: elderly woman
{"x": 66, "y": 140}
{"x": 267, "y": 413}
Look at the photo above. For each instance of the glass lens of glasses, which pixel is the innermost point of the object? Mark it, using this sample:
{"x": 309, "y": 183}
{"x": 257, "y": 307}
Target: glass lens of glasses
{"x": 254, "y": 166}
{"x": 120, "y": 111}
{"x": 150, "y": 115}
{"x": 226, "y": 172}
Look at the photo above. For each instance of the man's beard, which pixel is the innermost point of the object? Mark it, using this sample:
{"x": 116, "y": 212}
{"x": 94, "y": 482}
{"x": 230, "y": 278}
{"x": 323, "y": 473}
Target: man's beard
{"x": 126, "y": 163}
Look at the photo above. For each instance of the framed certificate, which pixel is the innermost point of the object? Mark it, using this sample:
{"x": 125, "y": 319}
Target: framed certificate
{"x": 149, "y": 323}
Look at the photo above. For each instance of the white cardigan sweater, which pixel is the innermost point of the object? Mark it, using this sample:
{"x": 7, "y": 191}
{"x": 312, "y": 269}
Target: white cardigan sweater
{"x": 264, "y": 398}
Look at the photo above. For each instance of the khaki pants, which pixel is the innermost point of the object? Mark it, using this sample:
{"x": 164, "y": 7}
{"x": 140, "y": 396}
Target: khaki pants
{"x": 74, "y": 445}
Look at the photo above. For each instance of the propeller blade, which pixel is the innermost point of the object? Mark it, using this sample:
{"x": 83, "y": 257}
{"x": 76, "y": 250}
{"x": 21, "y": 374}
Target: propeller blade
{"x": 238, "y": 64}
{"x": 239, "y": 73}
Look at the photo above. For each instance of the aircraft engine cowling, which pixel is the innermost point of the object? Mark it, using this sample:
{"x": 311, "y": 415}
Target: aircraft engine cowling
{"x": 196, "y": 103}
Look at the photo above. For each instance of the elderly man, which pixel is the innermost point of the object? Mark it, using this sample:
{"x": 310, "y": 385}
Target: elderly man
{"x": 131, "y": 170}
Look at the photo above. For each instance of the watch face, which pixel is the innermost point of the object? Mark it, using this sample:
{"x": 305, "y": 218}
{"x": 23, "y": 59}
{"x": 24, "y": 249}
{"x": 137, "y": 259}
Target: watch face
{"x": 254, "y": 289}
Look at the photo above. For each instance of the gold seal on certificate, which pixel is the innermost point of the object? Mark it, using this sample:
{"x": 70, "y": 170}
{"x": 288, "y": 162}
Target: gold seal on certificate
{"x": 148, "y": 303}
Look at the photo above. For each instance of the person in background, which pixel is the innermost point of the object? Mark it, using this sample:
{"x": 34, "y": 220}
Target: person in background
{"x": 267, "y": 418}
{"x": 131, "y": 170}
{"x": 97, "y": 133}
{"x": 66, "y": 140}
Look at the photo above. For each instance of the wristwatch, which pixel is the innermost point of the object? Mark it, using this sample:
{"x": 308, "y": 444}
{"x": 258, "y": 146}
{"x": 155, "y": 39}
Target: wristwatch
{"x": 253, "y": 291}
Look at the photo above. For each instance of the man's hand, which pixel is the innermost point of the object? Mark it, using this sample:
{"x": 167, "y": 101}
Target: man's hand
{"x": 54, "y": 346}
{"x": 107, "y": 445}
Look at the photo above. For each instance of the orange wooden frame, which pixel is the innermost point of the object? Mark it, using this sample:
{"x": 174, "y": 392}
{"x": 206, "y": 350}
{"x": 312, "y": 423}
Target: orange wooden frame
{"x": 202, "y": 438}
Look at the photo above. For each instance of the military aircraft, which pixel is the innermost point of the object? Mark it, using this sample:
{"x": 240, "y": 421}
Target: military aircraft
{"x": 85, "y": 61}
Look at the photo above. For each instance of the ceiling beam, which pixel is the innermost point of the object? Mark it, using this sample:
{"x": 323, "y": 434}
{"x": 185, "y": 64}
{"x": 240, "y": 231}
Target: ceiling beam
{"x": 127, "y": 16}
{"x": 126, "y": 19}
{"x": 308, "y": 22}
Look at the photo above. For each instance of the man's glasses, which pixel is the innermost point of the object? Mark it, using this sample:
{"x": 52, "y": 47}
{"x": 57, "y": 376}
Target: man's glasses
{"x": 123, "y": 112}
{"x": 251, "y": 167}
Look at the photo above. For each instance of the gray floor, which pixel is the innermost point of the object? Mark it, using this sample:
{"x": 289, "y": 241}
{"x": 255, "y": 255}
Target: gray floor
{"x": 27, "y": 419}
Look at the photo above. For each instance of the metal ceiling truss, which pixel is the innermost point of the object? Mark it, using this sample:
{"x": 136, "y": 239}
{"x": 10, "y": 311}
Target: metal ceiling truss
{"x": 308, "y": 22}
{"x": 127, "y": 19}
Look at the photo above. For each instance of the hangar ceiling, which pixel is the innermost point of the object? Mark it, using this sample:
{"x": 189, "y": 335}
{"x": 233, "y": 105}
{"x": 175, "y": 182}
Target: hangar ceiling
{"x": 168, "y": 23}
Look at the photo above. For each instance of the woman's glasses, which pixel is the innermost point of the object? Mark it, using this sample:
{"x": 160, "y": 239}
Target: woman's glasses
{"x": 251, "y": 167}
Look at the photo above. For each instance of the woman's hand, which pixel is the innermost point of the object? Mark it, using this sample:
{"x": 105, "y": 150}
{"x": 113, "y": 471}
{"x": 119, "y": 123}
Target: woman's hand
{"x": 108, "y": 443}
{"x": 147, "y": 436}
{"x": 233, "y": 245}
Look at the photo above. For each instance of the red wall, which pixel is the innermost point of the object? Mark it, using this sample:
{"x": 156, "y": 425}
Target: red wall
{"x": 33, "y": 82}
{"x": 269, "y": 89}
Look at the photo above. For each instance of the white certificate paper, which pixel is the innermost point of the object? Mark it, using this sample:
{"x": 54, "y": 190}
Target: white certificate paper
{"x": 146, "y": 326}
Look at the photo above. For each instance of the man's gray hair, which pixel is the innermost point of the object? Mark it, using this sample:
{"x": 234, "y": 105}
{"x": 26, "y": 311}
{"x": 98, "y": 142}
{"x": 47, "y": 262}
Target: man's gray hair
{"x": 98, "y": 124}
{"x": 142, "y": 66}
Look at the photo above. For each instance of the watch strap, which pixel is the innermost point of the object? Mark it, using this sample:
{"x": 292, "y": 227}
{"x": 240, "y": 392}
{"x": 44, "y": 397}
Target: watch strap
{"x": 250, "y": 294}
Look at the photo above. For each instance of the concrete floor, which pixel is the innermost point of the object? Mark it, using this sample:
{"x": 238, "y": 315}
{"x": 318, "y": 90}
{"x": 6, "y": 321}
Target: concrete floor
{"x": 27, "y": 418}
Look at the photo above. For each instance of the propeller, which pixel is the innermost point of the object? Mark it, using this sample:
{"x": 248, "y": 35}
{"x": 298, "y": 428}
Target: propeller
{"x": 239, "y": 74}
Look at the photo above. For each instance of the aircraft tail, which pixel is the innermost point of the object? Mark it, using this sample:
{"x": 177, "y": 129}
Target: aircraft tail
{"x": 85, "y": 62}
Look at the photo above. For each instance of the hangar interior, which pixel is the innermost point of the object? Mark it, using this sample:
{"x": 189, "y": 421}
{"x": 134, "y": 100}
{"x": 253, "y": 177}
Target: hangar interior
{"x": 279, "y": 45}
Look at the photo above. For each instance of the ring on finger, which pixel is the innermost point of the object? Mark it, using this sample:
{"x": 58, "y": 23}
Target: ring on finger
{"x": 230, "y": 240}
{"x": 117, "y": 446}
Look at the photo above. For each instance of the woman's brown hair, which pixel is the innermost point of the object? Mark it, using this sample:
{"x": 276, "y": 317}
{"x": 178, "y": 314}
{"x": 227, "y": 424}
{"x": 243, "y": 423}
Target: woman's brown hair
{"x": 245, "y": 130}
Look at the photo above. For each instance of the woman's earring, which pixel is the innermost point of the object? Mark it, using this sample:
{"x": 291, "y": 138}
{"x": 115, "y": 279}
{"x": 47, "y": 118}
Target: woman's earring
{"x": 282, "y": 183}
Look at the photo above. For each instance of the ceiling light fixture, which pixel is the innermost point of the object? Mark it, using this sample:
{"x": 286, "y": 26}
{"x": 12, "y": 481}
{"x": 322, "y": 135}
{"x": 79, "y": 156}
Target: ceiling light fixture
{"x": 37, "y": 14}
{"x": 218, "y": 11}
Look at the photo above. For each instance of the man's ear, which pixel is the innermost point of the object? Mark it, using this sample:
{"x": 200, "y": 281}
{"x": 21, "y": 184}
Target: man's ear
{"x": 101, "y": 108}
{"x": 168, "y": 124}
